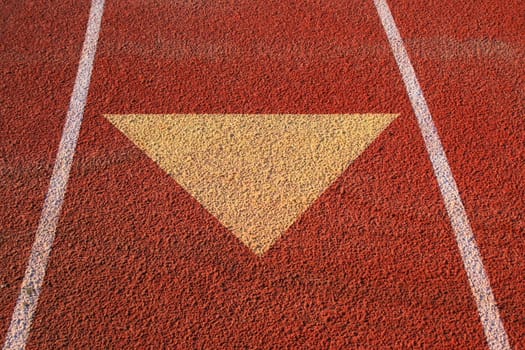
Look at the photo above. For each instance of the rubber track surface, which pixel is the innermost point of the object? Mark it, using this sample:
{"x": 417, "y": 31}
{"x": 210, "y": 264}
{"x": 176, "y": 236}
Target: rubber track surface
{"x": 373, "y": 263}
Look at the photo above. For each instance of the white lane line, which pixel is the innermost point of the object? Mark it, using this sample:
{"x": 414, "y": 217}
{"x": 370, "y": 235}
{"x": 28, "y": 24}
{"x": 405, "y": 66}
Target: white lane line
{"x": 478, "y": 279}
{"x": 26, "y": 304}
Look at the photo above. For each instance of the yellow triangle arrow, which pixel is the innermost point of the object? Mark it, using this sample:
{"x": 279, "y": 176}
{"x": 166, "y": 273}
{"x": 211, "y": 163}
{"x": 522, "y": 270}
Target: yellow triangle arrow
{"x": 255, "y": 173}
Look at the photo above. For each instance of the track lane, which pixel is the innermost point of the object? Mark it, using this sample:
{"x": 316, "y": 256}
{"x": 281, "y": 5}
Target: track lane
{"x": 148, "y": 265}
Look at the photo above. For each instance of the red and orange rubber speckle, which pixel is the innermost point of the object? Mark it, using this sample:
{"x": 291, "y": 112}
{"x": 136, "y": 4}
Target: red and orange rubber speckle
{"x": 153, "y": 247}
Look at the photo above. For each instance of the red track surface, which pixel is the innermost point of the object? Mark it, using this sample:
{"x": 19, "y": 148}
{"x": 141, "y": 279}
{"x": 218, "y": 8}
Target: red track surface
{"x": 39, "y": 64}
{"x": 137, "y": 262}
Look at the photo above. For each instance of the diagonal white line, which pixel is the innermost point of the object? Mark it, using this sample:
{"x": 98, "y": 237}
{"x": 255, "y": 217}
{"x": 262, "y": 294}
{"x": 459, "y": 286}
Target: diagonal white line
{"x": 26, "y": 304}
{"x": 478, "y": 279}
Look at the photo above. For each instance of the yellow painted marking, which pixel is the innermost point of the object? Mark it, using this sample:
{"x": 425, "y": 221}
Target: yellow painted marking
{"x": 255, "y": 173}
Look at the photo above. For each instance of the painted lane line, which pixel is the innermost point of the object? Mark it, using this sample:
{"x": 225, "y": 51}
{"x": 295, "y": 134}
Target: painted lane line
{"x": 26, "y": 304}
{"x": 478, "y": 279}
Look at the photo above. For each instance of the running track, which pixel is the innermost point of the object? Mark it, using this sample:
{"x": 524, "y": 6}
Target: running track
{"x": 377, "y": 261}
